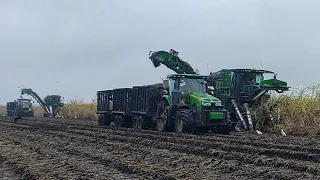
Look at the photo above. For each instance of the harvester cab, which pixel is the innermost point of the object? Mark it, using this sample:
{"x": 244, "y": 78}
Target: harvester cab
{"x": 54, "y": 104}
{"x": 242, "y": 89}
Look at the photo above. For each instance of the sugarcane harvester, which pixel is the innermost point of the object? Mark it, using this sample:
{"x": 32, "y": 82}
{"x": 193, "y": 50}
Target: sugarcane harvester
{"x": 186, "y": 105}
{"x": 51, "y": 104}
{"x": 241, "y": 90}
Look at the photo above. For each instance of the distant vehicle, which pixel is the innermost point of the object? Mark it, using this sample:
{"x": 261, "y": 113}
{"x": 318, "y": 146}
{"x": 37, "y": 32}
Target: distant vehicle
{"x": 20, "y": 108}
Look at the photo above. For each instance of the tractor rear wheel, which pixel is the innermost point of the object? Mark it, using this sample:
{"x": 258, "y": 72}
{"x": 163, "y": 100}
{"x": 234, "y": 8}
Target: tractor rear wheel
{"x": 184, "y": 121}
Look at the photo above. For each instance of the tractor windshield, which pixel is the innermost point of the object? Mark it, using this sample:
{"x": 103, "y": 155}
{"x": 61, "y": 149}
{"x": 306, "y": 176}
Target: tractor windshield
{"x": 24, "y": 104}
{"x": 192, "y": 85}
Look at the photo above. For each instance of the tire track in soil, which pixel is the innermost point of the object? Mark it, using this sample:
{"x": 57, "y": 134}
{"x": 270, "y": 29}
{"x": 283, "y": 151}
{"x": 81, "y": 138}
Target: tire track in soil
{"x": 37, "y": 162}
{"x": 152, "y": 154}
{"x": 217, "y": 138}
{"x": 281, "y": 151}
{"x": 66, "y": 165}
{"x": 10, "y": 170}
{"x": 266, "y": 140}
{"x": 239, "y": 136}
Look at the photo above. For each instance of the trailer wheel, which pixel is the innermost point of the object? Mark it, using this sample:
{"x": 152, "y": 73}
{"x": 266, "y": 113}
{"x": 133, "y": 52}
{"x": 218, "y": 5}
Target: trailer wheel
{"x": 100, "y": 120}
{"x": 138, "y": 121}
{"x": 106, "y": 119}
{"x": 135, "y": 119}
{"x": 184, "y": 121}
{"x": 118, "y": 121}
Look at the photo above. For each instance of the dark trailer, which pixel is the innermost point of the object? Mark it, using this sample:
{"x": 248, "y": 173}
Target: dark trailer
{"x": 11, "y": 109}
{"x": 133, "y": 107}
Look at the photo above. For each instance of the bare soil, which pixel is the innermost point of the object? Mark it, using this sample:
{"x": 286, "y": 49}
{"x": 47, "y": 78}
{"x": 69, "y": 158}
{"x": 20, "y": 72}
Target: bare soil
{"x": 44, "y": 148}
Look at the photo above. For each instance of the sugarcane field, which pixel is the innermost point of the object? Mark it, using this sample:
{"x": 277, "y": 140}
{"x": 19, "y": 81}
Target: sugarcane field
{"x": 159, "y": 90}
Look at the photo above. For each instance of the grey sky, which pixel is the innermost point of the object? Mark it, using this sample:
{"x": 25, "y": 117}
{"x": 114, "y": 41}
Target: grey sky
{"x": 94, "y": 45}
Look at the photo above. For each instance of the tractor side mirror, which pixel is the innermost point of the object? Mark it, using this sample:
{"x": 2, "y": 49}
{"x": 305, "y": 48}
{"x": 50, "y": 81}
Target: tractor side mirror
{"x": 164, "y": 92}
{"x": 210, "y": 90}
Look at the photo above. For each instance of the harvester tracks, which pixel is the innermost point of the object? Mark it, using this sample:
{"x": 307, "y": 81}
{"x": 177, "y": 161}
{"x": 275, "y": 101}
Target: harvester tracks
{"x": 153, "y": 155}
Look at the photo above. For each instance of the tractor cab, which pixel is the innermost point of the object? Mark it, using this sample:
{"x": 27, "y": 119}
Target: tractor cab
{"x": 182, "y": 85}
{"x": 54, "y": 100}
{"x": 24, "y": 104}
{"x": 187, "y": 83}
{"x": 191, "y": 90}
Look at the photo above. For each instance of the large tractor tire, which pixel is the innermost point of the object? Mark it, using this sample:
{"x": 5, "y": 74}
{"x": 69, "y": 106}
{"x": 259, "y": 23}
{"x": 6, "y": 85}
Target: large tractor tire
{"x": 162, "y": 116}
{"x": 184, "y": 121}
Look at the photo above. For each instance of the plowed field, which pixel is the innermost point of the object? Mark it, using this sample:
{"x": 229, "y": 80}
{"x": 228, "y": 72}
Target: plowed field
{"x": 76, "y": 149}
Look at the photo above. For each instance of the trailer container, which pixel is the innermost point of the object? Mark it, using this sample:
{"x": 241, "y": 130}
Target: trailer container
{"x": 129, "y": 107}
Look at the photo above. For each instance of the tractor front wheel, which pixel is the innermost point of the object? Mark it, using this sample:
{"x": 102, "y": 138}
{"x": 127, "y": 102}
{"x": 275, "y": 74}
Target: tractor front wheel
{"x": 184, "y": 121}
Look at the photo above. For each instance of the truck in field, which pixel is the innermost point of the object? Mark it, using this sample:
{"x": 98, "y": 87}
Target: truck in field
{"x": 20, "y": 108}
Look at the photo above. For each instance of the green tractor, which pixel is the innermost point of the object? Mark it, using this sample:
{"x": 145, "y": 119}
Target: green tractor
{"x": 243, "y": 89}
{"x": 186, "y": 104}
{"x": 20, "y": 108}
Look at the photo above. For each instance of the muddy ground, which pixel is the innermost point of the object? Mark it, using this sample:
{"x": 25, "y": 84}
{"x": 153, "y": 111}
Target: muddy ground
{"x": 76, "y": 149}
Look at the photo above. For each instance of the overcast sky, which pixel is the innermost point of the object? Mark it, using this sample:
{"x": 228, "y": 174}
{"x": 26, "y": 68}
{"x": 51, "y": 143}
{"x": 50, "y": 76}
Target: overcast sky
{"x": 91, "y": 45}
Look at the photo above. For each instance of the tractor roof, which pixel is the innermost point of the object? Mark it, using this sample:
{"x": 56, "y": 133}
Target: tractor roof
{"x": 23, "y": 99}
{"x": 189, "y": 76}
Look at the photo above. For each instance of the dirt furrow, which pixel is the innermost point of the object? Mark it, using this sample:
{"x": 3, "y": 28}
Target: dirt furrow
{"x": 151, "y": 163}
{"x": 245, "y": 158}
{"x": 279, "y": 149}
{"x": 47, "y": 163}
{"x": 217, "y": 144}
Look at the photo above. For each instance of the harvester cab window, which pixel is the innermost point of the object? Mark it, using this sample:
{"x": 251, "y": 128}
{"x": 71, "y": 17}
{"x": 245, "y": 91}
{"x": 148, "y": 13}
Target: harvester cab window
{"x": 259, "y": 78}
